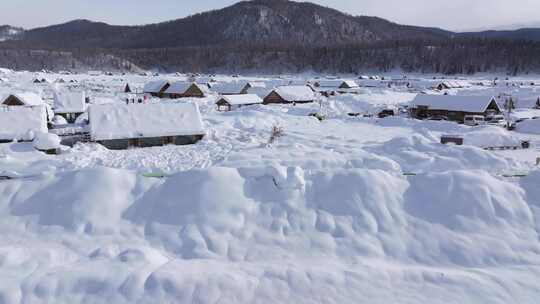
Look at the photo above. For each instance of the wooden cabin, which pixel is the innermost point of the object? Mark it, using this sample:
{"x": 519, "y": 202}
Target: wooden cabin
{"x": 23, "y": 99}
{"x": 20, "y": 123}
{"x": 185, "y": 89}
{"x": 231, "y": 102}
{"x": 120, "y": 127}
{"x": 453, "y": 107}
{"x": 290, "y": 94}
{"x": 156, "y": 88}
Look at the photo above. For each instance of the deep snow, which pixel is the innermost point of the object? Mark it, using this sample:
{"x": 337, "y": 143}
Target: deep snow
{"x": 344, "y": 210}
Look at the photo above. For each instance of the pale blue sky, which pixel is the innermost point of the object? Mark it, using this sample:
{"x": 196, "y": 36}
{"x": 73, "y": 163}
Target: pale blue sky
{"x": 449, "y": 14}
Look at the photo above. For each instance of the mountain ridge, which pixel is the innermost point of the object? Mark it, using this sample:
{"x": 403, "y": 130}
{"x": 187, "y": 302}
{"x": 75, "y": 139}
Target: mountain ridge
{"x": 276, "y": 35}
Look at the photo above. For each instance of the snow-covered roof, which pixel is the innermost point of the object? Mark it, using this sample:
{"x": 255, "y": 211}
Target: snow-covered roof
{"x": 17, "y": 122}
{"x": 473, "y": 104}
{"x": 241, "y": 99}
{"x": 350, "y": 83}
{"x": 295, "y": 93}
{"x": 233, "y": 87}
{"x": 257, "y": 84}
{"x": 27, "y": 98}
{"x": 46, "y": 141}
{"x": 178, "y": 87}
{"x": 144, "y": 120}
{"x": 332, "y": 83}
{"x": 454, "y": 84}
{"x": 155, "y": 86}
{"x": 69, "y": 102}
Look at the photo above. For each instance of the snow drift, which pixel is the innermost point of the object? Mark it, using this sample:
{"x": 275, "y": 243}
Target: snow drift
{"x": 269, "y": 234}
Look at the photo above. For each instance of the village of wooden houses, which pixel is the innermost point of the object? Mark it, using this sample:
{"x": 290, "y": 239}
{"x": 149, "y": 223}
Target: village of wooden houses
{"x": 58, "y": 111}
{"x": 140, "y": 187}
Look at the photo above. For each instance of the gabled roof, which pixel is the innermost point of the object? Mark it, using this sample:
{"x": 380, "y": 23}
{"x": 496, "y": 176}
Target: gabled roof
{"x": 114, "y": 121}
{"x": 178, "y": 87}
{"x": 331, "y": 83}
{"x": 233, "y": 87}
{"x": 295, "y": 93}
{"x": 27, "y": 98}
{"x": 155, "y": 86}
{"x": 69, "y": 102}
{"x": 472, "y": 104}
{"x": 257, "y": 84}
{"x": 242, "y": 99}
{"x": 350, "y": 83}
{"x": 16, "y": 122}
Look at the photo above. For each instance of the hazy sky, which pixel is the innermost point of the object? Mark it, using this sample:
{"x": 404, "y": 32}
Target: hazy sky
{"x": 448, "y": 14}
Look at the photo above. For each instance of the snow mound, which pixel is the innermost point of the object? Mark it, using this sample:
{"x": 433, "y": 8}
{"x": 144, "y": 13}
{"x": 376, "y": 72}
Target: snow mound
{"x": 491, "y": 136}
{"x": 46, "y": 141}
{"x": 423, "y": 153}
{"x": 529, "y": 126}
{"x": 268, "y": 234}
{"x": 59, "y": 120}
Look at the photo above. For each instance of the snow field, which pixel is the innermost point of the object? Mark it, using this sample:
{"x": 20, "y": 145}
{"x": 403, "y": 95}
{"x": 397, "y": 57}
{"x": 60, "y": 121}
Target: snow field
{"x": 344, "y": 210}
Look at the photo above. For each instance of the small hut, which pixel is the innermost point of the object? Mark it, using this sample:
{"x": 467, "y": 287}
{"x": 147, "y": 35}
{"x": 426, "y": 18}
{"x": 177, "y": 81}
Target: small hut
{"x": 144, "y": 125}
{"x": 185, "y": 89}
{"x": 231, "y": 102}
{"x": 156, "y": 88}
{"x": 290, "y": 94}
{"x": 20, "y": 123}
{"x": 453, "y": 107}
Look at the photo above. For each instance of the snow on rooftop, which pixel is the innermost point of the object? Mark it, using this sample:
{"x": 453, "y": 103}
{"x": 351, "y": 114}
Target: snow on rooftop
{"x": 257, "y": 84}
{"x": 295, "y": 93}
{"x": 155, "y": 86}
{"x": 242, "y": 99}
{"x": 178, "y": 87}
{"x": 332, "y": 83}
{"x": 28, "y": 98}
{"x": 144, "y": 120}
{"x": 474, "y": 104}
{"x": 351, "y": 83}
{"x": 46, "y": 141}
{"x": 17, "y": 122}
{"x": 69, "y": 102}
{"x": 233, "y": 87}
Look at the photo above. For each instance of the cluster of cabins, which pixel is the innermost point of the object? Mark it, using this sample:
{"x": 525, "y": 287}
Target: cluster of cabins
{"x": 115, "y": 126}
{"x": 121, "y": 126}
{"x": 234, "y": 94}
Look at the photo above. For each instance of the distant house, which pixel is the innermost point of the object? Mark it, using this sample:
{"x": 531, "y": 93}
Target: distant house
{"x": 253, "y": 85}
{"x": 145, "y": 125}
{"x": 228, "y": 88}
{"x": 453, "y": 107}
{"x": 156, "y": 88}
{"x": 27, "y": 99}
{"x": 23, "y": 99}
{"x": 290, "y": 94}
{"x": 69, "y": 105}
{"x": 185, "y": 89}
{"x": 349, "y": 84}
{"x": 451, "y": 84}
{"x": 19, "y": 123}
{"x": 260, "y": 89}
{"x": 231, "y": 102}
{"x": 336, "y": 84}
